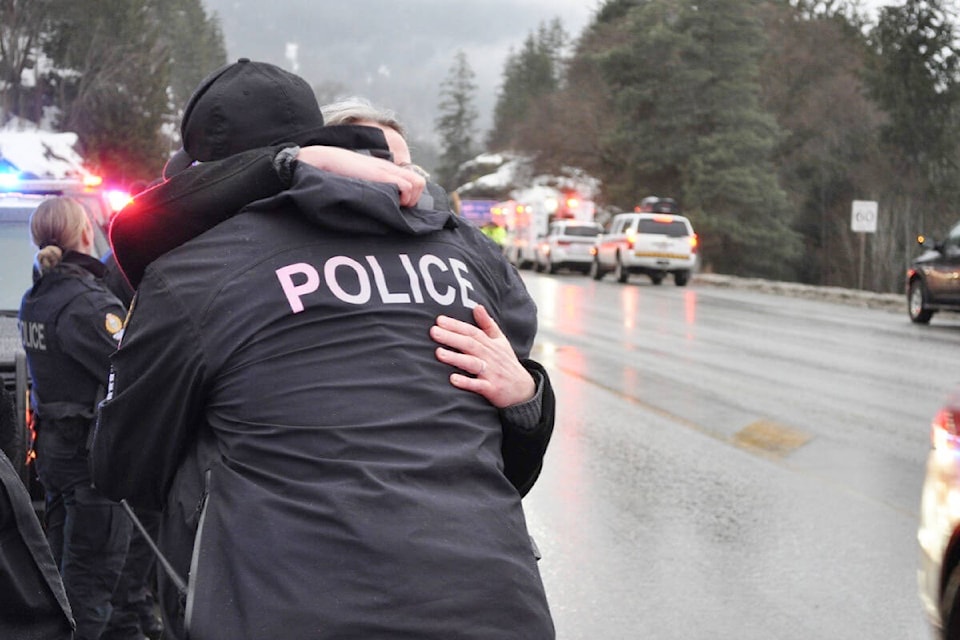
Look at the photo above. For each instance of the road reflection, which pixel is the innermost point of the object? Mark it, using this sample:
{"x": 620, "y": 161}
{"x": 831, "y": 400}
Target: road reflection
{"x": 629, "y": 299}
{"x": 690, "y": 310}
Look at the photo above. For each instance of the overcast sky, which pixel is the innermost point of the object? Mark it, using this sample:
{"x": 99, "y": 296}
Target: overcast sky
{"x": 395, "y": 52}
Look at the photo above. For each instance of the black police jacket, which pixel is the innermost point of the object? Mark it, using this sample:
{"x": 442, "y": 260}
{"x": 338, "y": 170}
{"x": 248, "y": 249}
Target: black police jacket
{"x": 70, "y": 323}
{"x": 202, "y": 196}
{"x": 348, "y": 489}
{"x": 34, "y": 605}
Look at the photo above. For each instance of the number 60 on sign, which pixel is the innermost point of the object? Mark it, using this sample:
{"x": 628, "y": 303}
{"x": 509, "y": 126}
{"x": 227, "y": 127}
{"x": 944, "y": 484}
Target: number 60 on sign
{"x": 864, "y": 217}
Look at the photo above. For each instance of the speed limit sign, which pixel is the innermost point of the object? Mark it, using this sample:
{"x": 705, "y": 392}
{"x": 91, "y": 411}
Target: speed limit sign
{"x": 864, "y": 218}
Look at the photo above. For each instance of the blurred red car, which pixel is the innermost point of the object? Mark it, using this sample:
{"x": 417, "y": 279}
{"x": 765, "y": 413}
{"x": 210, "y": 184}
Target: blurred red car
{"x": 939, "y": 530}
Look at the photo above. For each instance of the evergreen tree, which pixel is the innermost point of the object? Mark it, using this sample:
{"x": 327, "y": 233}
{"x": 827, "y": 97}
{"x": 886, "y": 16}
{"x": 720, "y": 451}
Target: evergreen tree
{"x": 533, "y": 73}
{"x": 457, "y": 120}
{"x": 914, "y": 78}
{"x": 916, "y": 81}
{"x": 120, "y": 70}
{"x": 730, "y": 182}
{"x": 690, "y": 125}
{"x": 22, "y": 32}
{"x": 194, "y": 42}
{"x": 829, "y": 156}
{"x": 656, "y": 100}
{"x": 116, "y": 98}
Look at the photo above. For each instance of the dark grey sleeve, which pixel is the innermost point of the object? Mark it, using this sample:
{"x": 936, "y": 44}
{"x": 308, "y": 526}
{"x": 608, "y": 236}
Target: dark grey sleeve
{"x": 525, "y": 416}
{"x": 523, "y": 449}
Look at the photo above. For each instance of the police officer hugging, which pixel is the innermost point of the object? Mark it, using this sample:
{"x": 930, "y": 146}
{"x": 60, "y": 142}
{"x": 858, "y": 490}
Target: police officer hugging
{"x": 349, "y": 487}
{"x": 326, "y": 394}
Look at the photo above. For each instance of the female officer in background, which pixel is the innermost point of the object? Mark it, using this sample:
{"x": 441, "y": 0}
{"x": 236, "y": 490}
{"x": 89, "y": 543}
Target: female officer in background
{"x": 70, "y": 324}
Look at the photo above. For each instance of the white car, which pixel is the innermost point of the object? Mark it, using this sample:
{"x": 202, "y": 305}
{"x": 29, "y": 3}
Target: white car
{"x": 567, "y": 245}
{"x": 652, "y": 244}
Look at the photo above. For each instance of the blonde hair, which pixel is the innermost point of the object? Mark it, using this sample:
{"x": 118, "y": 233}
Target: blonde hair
{"x": 57, "y": 225}
{"x": 356, "y": 109}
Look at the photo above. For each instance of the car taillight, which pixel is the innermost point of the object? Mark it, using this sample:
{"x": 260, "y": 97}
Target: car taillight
{"x": 631, "y": 238}
{"x": 694, "y": 243}
{"x": 943, "y": 429}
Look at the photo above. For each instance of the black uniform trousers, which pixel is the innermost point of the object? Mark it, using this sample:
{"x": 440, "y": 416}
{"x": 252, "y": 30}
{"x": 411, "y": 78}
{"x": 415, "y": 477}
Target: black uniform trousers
{"x": 88, "y": 533}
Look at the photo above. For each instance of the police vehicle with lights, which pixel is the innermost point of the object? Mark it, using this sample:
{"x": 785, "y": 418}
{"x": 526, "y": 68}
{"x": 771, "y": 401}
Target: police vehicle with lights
{"x": 655, "y": 241}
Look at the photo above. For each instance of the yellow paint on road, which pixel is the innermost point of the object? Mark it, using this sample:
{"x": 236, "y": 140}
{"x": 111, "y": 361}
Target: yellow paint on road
{"x": 771, "y": 438}
{"x": 762, "y": 437}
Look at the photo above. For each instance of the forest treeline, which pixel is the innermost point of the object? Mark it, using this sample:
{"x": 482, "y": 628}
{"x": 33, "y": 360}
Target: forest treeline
{"x": 116, "y": 72}
{"x": 764, "y": 119}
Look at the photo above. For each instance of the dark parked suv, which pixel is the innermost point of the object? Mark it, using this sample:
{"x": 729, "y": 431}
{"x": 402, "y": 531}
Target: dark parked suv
{"x": 933, "y": 279}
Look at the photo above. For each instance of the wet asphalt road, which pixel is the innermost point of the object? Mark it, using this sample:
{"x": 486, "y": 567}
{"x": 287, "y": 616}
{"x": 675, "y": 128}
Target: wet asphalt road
{"x": 733, "y": 464}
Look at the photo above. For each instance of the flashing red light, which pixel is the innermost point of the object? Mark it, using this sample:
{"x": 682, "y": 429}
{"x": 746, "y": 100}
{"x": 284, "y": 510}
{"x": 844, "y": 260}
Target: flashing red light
{"x": 694, "y": 243}
{"x": 92, "y": 181}
{"x": 30, "y": 421}
{"x": 572, "y": 203}
{"x": 664, "y": 219}
{"x": 118, "y": 199}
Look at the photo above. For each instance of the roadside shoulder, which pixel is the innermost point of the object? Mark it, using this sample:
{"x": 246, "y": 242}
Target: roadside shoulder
{"x": 854, "y": 297}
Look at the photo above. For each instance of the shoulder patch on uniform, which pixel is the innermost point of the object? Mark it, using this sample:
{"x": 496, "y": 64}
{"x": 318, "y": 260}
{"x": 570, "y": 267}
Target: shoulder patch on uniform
{"x": 113, "y": 323}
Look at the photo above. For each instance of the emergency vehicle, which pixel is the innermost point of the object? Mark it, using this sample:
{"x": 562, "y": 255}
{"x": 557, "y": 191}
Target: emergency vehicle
{"x": 655, "y": 241}
{"x": 528, "y": 218}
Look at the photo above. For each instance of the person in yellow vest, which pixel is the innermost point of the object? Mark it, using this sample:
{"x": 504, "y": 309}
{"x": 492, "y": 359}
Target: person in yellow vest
{"x": 495, "y": 232}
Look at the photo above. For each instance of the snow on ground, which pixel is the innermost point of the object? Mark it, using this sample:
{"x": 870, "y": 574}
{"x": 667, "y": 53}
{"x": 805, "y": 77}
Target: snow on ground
{"x": 38, "y": 153}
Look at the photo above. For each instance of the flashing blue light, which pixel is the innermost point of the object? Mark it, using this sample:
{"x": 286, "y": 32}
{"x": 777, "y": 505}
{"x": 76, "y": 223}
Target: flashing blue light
{"x": 9, "y": 179}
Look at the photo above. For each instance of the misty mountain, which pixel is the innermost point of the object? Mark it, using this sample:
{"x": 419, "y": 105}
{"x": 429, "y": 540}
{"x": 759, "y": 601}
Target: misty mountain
{"x": 394, "y": 53}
